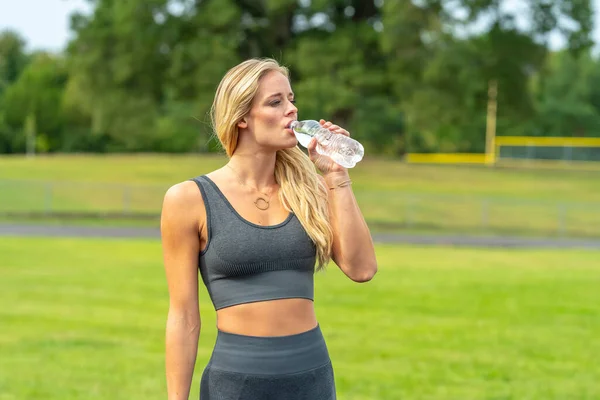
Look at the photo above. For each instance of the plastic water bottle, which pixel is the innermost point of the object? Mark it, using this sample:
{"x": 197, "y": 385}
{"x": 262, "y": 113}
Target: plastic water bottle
{"x": 342, "y": 149}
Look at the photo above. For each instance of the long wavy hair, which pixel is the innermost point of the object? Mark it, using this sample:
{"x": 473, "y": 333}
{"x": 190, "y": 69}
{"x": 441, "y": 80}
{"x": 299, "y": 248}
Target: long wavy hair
{"x": 301, "y": 191}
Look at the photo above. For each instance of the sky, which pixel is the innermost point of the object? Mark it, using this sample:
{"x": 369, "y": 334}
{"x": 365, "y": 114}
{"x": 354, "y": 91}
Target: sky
{"x": 44, "y": 24}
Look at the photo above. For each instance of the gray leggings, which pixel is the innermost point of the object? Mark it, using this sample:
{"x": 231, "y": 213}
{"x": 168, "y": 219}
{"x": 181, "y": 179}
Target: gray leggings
{"x": 295, "y": 367}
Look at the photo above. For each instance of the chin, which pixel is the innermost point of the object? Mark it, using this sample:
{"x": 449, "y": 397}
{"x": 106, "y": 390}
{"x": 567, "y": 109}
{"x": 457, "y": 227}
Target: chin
{"x": 289, "y": 143}
{"x": 292, "y": 144}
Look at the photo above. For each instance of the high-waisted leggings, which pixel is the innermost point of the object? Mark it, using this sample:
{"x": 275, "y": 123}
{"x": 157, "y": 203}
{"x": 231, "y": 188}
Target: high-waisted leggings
{"x": 295, "y": 367}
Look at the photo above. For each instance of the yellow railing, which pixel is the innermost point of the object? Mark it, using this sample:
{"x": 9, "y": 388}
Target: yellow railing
{"x": 445, "y": 158}
{"x": 499, "y": 141}
{"x": 546, "y": 141}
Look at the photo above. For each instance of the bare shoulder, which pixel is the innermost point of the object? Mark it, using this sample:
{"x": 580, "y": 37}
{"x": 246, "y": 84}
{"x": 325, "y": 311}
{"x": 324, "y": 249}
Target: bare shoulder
{"x": 183, "y": 203}
{"x": 182, "y": 193}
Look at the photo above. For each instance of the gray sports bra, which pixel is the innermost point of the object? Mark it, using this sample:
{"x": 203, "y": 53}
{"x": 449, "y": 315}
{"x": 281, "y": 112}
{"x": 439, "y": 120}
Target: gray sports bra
{"x": 244, "y": 262}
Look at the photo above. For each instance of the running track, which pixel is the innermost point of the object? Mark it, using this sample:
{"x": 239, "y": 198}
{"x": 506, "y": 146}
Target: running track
{"x": 448, "y": 240}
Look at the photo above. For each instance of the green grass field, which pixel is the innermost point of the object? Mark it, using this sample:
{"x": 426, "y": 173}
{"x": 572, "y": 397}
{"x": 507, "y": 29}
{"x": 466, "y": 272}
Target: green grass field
{"x": 84, "y": 319}
{"x": 393, "y": 196}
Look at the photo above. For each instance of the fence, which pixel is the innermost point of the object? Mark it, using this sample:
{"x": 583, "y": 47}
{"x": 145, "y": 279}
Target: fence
{"x": 79, "y": 199}
{"x": 384, "y": 210}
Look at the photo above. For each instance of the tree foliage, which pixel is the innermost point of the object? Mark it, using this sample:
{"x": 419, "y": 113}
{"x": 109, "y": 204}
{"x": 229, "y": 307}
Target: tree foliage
{"x": 401, "y": 75}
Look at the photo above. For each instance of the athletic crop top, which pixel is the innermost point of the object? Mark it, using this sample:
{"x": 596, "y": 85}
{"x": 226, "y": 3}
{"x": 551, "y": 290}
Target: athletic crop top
{"x": 244, "y": 262}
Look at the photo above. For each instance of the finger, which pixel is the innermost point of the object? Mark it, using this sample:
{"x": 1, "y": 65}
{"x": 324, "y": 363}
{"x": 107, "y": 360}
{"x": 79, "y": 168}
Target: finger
{"x": 321, "y": 162}
{"x": 312, "y": 149}
{"x": 324, "y": 164}
{"x": 322, "y": 122}
{"x": 339, "y": 129}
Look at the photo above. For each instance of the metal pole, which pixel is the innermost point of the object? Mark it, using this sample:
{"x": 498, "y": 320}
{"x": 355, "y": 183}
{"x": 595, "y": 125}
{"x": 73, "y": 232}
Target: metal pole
{"x": 126, "y": 199}
{"x": 485, "y": 213}
{"x": 567, "y": 153}
{"x": 48, "y": 198}
{"x": 490, "y": 131}
{"x": 562, "y": 219}
{"x": 408, "y": 211}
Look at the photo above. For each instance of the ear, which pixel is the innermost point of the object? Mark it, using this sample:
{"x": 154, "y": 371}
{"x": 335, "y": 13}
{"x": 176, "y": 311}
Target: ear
{"x": 242, "y": 124}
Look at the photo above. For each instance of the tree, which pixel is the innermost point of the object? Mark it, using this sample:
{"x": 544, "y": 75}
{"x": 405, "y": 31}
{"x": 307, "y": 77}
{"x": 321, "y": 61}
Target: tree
{"x": 12, "y": 58}
{"x": 568, "y": 106}
{"x": 37, "y": 96}
{"x": 401, "y": 75}
{"x": 443, "y": 73}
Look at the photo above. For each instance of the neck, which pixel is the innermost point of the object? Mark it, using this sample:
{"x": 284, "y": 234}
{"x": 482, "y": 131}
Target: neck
{"x": 256, "y": 170}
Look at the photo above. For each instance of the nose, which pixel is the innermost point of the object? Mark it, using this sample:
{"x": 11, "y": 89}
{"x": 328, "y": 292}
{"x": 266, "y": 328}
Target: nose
{"x": 292, "y": 109}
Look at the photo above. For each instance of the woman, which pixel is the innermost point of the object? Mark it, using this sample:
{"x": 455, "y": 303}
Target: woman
{"x": 255, "y": 229}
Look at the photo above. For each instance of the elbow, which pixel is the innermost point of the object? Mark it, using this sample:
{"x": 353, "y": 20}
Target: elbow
{"x": 366, "y": 273}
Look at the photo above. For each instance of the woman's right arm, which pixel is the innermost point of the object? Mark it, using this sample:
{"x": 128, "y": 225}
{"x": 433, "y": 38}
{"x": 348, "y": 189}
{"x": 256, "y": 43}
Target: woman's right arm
{"x": 180, "y": 224}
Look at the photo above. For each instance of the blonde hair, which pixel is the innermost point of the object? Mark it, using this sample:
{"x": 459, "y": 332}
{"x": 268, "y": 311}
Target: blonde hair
{"x": 301, "y": 191}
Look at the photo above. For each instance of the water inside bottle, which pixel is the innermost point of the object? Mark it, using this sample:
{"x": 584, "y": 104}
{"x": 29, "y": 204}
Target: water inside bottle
{"x": 303, "y": 138}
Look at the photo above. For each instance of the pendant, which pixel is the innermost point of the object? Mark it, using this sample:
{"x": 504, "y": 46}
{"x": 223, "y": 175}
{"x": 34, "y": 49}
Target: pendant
{"x": 261, "y": 203}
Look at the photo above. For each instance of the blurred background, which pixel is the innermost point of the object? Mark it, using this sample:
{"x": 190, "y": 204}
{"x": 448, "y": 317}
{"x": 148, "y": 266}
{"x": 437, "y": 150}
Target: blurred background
{"x": 507, "y": 84}
{"x": 481, "y": 184}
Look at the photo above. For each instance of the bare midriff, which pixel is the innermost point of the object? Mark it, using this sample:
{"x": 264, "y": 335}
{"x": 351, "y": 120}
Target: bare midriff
{"x": 280, "y": 317}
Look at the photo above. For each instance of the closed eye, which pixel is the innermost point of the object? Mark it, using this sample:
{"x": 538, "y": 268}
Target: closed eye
{"x": 275, "y": 103}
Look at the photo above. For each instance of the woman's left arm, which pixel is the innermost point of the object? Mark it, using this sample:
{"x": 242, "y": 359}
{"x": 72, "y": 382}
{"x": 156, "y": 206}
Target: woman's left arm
{"x": 353, "y": 250}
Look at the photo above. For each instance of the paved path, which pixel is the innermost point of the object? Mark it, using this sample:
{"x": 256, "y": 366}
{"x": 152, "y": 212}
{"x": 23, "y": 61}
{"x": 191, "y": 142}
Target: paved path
{"x": 449, "y": 240}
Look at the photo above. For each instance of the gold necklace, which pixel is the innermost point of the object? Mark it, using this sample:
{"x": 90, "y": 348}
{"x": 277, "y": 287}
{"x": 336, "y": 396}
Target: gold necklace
{"x": 261, "y": 203}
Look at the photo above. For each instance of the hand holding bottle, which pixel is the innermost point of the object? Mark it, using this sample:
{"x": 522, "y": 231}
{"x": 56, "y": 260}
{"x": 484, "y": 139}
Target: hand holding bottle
{"x": 328, "y": 144}
{"x": 323, "y": 162}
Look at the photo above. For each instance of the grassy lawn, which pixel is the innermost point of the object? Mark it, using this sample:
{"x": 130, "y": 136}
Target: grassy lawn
{"x": 394, "y": 196}
{"x": 84, "y": 319}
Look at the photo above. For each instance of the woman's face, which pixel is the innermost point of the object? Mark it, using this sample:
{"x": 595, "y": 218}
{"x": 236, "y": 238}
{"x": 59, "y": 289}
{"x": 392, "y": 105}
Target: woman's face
{"x": 272, "y": 111}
